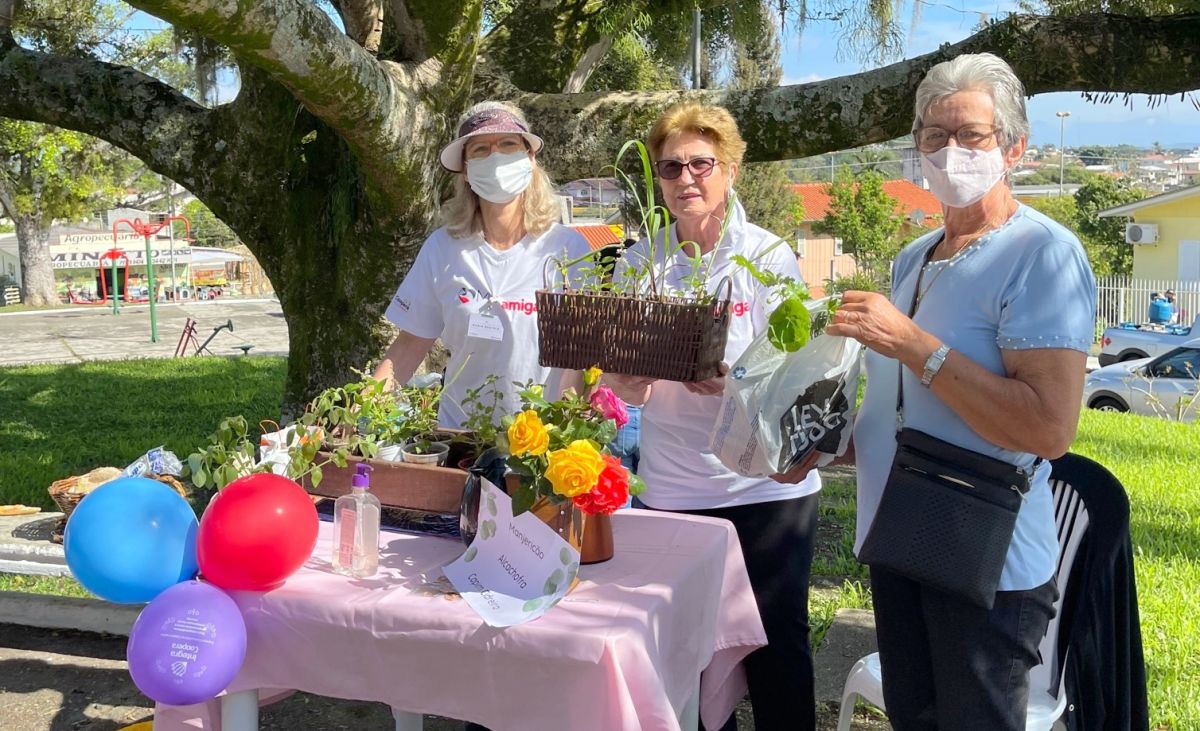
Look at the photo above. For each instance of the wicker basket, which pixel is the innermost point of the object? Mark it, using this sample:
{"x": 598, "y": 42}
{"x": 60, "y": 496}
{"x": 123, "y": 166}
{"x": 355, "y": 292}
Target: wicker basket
{"x": 671, "y": 340}
{"x": 67, "y": 501}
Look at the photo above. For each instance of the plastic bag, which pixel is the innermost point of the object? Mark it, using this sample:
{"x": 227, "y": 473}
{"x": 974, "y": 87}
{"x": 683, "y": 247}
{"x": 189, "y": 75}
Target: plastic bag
{"x": 778, "y": 407}
{"x": 273, "y": 449}
{"x": 158, "y": 460}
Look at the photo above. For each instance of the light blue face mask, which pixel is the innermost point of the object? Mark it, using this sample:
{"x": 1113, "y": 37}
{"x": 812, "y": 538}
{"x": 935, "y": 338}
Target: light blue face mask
{"x": 500, "y": 177}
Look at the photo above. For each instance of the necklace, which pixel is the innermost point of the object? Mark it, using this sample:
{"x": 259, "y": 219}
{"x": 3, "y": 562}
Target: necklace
{"x": 975, "y": 238}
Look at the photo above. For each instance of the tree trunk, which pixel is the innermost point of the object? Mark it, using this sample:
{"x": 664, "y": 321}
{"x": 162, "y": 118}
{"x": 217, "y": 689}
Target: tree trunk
{"x": 33, "y": 248}
{"x": 313, "y": 225}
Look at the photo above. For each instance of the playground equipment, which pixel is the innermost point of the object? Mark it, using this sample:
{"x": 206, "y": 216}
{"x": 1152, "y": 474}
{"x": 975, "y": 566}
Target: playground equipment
{"x": 146, "y": 230}
{"x": 188, "y": 338}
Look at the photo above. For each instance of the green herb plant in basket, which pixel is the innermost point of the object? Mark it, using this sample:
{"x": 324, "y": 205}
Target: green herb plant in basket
{"x": 630, "y": 321}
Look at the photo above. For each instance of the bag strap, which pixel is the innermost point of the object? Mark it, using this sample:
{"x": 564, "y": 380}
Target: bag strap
{"x": 912, "y": 310}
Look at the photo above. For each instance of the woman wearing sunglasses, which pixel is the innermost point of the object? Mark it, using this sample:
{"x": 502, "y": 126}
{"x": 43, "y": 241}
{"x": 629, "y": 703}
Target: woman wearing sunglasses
{"x": 473, "y": 282}
{"x": 697, "y": 151}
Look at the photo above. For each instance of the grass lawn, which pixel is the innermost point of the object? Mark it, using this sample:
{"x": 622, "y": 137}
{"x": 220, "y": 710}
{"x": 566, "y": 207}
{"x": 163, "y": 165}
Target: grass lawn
{"x": 57, "y": 421}
{"x": 61, "y": 420}
{"x": 1157, "y": 462}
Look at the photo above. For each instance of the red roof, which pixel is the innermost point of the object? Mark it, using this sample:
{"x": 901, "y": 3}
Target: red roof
{"x": 908, "y": 197}
{"x": 598, "y": 236}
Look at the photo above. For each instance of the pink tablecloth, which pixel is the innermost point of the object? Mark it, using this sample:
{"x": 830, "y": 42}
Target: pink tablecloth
{"x": 622, "y": 651}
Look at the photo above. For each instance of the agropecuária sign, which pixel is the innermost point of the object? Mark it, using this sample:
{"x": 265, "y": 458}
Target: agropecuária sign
{"x": 83, "y": 251}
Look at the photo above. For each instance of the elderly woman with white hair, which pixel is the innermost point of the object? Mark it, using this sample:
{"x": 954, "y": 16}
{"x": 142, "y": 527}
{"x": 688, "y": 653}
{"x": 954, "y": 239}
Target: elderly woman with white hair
{"x": 473, "y": 281}
{"x": 983, "y": 346}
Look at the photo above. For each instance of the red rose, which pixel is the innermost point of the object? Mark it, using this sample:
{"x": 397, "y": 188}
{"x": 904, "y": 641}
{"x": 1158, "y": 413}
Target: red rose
{"x": 611, "y": 490}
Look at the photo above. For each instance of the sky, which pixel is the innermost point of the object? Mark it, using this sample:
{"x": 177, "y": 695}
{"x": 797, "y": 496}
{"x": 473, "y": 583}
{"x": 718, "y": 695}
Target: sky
{"x": 1174, "y": 123}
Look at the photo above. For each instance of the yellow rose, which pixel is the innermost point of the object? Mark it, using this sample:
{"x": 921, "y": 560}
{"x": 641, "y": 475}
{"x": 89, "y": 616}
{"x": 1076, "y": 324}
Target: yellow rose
{"x": 528, "y": 435}
{"x": 592, "y": 376}
{"x": 576, "y": 469}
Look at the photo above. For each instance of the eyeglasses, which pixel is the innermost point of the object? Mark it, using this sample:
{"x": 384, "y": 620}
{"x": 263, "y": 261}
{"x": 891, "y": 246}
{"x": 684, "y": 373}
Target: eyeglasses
{"x": 972, "y": 136}
{"x": 699, "y": 167}
{"x": 479, "y": 149}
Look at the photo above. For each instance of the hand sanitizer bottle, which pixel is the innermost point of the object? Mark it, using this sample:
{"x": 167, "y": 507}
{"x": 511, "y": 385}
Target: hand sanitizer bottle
{"x": 356, "y": 528}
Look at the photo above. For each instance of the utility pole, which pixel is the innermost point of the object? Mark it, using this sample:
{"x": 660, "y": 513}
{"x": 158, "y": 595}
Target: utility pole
{"x": 696, "y": 48}
{"x": 171, "y": 231}
{"x": 1062, "y": 123}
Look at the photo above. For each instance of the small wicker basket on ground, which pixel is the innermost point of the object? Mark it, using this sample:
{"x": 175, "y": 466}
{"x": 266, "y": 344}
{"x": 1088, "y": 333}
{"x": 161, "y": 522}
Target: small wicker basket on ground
{"x": 673, "y": 340}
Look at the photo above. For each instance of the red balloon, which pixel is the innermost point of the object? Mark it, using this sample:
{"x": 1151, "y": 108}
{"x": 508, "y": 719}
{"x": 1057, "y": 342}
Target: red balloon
{"x": 256, "y": 532}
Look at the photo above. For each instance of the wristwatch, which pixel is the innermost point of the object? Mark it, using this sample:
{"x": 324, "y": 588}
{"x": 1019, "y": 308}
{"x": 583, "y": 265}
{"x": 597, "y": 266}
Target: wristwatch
{"x": 934, "y": 364}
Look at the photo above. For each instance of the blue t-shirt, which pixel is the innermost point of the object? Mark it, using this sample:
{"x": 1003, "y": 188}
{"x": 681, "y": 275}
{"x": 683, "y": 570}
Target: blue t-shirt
{"x": 1025, "y": 285}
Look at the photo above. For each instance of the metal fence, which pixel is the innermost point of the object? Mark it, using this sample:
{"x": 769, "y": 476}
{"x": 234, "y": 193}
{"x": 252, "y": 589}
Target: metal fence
{"x": 1125, "y": 299}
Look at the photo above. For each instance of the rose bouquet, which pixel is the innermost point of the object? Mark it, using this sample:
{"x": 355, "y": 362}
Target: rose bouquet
{"x": 557, "y": 449}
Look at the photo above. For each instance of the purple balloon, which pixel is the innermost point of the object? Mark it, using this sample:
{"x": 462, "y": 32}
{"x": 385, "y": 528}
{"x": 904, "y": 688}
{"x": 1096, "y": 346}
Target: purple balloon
{"x": 187, "y": 644}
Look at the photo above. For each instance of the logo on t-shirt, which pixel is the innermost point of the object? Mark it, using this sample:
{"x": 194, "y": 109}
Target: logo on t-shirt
{"x": 523, "y": 306}
{"x": 402, "y": 303}
{"x": 739, "y": 309}
{"x": 466, "y": 294}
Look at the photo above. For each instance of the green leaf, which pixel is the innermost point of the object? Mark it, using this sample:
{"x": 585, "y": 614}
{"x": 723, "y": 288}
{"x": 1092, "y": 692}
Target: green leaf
{"x": 636, "y": 484}
{"x": 606, "y": 432}
{"x": 523, "y": 500}
{"x": 315, "y": 475}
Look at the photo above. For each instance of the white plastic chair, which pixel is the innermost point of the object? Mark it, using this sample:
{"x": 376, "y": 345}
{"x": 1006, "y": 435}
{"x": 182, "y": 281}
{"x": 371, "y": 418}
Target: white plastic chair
{"x": 1047, "y": 700}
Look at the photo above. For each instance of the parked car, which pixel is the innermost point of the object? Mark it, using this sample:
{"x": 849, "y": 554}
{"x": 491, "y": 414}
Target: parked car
{"x": 1128, "y": 341}
{"x": 1161, "y": 386}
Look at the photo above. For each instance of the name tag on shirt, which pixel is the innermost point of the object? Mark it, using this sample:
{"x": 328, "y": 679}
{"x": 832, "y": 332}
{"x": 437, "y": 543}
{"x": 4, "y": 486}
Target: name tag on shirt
{"x": 485, "y": 327}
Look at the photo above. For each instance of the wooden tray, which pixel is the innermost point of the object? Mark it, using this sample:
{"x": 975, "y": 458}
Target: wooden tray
{"x": 398, "y": 484}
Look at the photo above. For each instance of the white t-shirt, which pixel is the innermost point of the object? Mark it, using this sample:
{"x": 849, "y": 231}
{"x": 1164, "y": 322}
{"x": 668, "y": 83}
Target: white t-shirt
{"x": 680, "y": 470}
{"x": 467, "y": 293}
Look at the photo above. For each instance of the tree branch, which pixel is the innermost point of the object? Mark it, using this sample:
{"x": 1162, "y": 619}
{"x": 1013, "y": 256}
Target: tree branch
{"x": 364, "y": 22}
{"x": 590, "y": 61}
{"x": 125, "y": 107}
{"x": 1101, "y": 53}
{"x": 374, "y": 106}
{"x": 7, "y": 200}
{"x": 6, "y": 19}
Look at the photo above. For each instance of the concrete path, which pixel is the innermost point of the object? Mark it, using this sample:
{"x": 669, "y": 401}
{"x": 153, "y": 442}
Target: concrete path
{"x": 25, "y": 546}
{"x": 83, "y": 334}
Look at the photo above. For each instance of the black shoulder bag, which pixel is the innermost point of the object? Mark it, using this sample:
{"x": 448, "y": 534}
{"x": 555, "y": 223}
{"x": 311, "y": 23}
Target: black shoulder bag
{"x": 947, "y": 514}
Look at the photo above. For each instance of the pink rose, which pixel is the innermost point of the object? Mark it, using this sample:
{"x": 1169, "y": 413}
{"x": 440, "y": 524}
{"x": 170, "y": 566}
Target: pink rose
{"x": 606, "y": 403}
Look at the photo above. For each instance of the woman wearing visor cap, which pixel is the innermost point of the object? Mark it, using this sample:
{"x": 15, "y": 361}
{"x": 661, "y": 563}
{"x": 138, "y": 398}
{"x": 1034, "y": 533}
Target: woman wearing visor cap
{"x": 473, "y": 282}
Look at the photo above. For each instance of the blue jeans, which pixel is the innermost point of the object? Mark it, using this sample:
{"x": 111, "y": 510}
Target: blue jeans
{"x": 626, "y": 445}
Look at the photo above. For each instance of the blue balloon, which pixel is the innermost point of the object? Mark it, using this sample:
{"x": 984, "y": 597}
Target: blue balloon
{"x": 130, "y": 539}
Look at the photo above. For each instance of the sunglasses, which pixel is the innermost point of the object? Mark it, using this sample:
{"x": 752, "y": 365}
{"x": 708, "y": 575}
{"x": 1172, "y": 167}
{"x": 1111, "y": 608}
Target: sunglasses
{"x": 699, "y": 167}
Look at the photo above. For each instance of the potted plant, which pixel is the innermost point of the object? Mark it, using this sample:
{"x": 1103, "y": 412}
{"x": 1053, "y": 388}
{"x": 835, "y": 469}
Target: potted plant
{"x": 633, "y": 323}
{"x": 232, "y": 453}
{"x": 417, "y": 427}
{"x": 564, "y": 474}
{"x": 480, "y": 428}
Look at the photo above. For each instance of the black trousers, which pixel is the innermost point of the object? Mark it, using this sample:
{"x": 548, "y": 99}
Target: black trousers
{"x": 948, "y": 664}
{"x": 777, "y": 541}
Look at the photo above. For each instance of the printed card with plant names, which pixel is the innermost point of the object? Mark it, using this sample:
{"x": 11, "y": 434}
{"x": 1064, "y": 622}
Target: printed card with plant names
{"x": 516, "y": 568}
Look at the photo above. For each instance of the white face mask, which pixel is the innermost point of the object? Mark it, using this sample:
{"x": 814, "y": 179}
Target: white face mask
{"x": 500, "y": 177}
{"x": 959, "y": 177}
